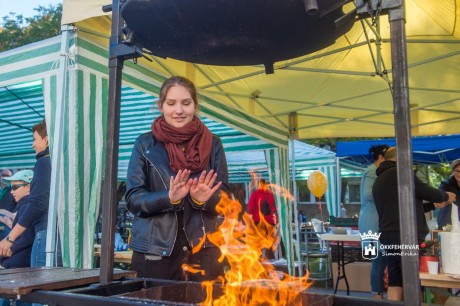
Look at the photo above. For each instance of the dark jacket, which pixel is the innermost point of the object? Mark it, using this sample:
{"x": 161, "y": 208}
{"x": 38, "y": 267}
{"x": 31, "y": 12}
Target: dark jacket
{"x": 156, "y": 222}
{"x": 449, "y": 184}
{"x": 385, "y": 193}
{"x": 36, "y": 213}
{"x": 22, "y": 247}
{"x": 7, "y": 200}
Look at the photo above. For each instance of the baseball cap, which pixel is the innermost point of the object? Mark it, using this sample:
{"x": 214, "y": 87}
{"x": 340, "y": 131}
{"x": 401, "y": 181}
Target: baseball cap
{"x": 23, "y": 175}
{"x": 455, "y": 163}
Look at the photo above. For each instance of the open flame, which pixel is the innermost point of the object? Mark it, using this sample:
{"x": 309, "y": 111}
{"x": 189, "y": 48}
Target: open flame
{"x": 250, "y": 280}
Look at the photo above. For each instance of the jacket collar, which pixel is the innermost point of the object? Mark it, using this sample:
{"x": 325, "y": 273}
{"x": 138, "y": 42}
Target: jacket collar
{"x": 43, "y": 153}
{"x": 156, "y": 154}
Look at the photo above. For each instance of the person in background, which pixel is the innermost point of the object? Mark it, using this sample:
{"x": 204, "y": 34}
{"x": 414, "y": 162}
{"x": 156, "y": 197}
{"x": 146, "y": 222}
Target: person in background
{"x": 21, "y": 248}
{"x": 452, "y": 184}
{"x": 386, "y": 196}
{"x": 36, "y": 213}
{"x": 175, "y": 176}
{"x": 3, "y": 187}
{"x": 369, "y": 218}
{"x": 7, "y": 203}
{"x": 262, "y": 203}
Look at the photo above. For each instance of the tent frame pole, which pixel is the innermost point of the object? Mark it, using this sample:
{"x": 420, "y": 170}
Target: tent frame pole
{"x": 111, "y": 150}
{"x": 292, "y": 128}
{"x": 57, "y": 142}
{"x": 118, "y": 53}
{"x": 406, "y": 197}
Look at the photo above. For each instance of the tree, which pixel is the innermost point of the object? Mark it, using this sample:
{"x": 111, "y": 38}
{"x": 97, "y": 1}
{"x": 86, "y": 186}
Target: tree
{"x": 18, "y": 31}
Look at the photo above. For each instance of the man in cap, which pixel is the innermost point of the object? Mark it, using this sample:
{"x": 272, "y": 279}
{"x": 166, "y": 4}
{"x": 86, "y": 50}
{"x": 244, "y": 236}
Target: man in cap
{"x": 20, "y": 248}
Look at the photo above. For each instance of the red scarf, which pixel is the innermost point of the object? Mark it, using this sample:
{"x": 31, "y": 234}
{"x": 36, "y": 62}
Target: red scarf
{"x": 195, "y": 138}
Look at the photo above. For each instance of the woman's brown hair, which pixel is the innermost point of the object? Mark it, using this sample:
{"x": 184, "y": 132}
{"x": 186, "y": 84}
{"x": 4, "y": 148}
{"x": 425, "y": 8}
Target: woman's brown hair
{"x": 40, "y": 128}
{"x": 177, "y": 81}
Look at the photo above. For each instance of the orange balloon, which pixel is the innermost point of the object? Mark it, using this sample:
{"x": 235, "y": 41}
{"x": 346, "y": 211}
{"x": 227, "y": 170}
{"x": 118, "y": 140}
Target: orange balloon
{"x": 317, "y": 183}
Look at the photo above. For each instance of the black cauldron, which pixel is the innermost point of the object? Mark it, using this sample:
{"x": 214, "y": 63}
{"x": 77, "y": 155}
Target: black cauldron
{"x": 233, "y": 32}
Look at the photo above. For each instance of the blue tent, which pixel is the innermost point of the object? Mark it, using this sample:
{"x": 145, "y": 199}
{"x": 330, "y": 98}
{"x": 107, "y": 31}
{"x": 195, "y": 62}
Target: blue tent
{"x": 426, "y": 150}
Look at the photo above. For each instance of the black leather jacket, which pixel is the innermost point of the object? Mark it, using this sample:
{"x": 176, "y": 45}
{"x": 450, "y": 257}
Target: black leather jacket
{"x": 155, "y": 224}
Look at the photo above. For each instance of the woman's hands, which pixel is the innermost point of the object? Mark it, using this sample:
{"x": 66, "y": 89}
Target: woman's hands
{"x": 179, "y": 186}
{"x": 202, "y": 188}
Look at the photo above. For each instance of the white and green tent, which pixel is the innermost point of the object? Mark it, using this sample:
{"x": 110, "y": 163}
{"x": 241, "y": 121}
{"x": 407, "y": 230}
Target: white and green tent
{"x": 65, "y": 80}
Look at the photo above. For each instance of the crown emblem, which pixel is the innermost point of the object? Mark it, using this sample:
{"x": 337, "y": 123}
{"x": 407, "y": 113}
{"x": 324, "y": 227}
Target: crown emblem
{"x": 370, "y": 235}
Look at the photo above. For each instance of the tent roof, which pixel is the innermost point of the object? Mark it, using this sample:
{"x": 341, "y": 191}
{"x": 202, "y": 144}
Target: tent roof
{"x": 25, "y": 106}
{"x": 341, "y": 91}
{"x": 426, "y": 150}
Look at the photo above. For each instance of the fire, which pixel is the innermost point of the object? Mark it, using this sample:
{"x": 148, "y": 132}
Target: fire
{"x": 250, "y": 280}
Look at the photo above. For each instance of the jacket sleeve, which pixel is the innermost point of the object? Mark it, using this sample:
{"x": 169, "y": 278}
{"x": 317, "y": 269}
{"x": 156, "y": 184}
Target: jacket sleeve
{"x": 252, "y": 204}
{"x": 141, "y": 201}
{"x": 367, "y": 181}
{"x": 39, "y": 193}
{"x": 425, "y": 192}
{"x": 218, "y": 163}
{"x": 445, "y": 186}
{"x": 27, "y": 238}
{"x": 272, "y": 203}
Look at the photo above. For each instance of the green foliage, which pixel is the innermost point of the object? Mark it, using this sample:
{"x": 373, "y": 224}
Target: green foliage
{"x": 438, "y": 173}
{"x": 19, "y": 31}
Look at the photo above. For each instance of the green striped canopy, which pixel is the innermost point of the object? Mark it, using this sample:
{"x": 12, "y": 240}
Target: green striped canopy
{"x": 65, "y": 79}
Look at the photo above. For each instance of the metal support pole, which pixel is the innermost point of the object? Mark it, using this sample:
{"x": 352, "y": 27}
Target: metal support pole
{"x": 407, "y": 221}
{"x": 292, "y": 127}
{"x": 109, "y": 199}
{"x": 58, "y": 137}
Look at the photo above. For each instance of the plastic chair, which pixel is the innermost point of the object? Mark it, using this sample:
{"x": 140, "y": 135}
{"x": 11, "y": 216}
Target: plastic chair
{"x": 315, "y": 252}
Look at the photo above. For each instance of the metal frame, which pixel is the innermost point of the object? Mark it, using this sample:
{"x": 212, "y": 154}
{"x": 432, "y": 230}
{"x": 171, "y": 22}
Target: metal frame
{"x": 120, "y": 52}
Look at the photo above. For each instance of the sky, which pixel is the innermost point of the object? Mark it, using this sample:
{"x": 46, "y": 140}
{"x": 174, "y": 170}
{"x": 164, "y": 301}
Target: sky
{"x": 24, "y": 7}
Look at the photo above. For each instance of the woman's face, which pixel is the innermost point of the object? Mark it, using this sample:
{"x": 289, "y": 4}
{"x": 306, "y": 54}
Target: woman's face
{"x": 457, "y": 174}
{"x": 22, "y": 189}
{"x": 39, "y": 143}
{"x": 178, "y": 107}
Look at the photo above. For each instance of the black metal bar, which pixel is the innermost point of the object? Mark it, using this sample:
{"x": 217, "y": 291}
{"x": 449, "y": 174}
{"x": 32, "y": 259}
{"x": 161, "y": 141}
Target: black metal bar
{"x": 407, "y": 220}
{"x": 109, "y": 199}
{"x": 55, "y": 298}
{"x": 341, "y": 274}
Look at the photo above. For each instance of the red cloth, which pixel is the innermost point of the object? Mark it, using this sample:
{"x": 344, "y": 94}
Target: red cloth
{"x": 196, "y": 139}
{"x": 258, "y": 197}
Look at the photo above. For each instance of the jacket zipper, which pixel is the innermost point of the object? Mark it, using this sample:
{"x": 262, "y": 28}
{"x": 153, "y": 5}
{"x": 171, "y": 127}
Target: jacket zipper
{"x": 166, "y": 187}
{"x": 203, "y": 229}
{"x": 159, "y": 174}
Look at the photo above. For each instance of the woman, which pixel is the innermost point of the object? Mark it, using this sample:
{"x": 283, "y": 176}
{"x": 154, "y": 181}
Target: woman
{"x": 369, "y": 218}
{"x": 174, "y": 177}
